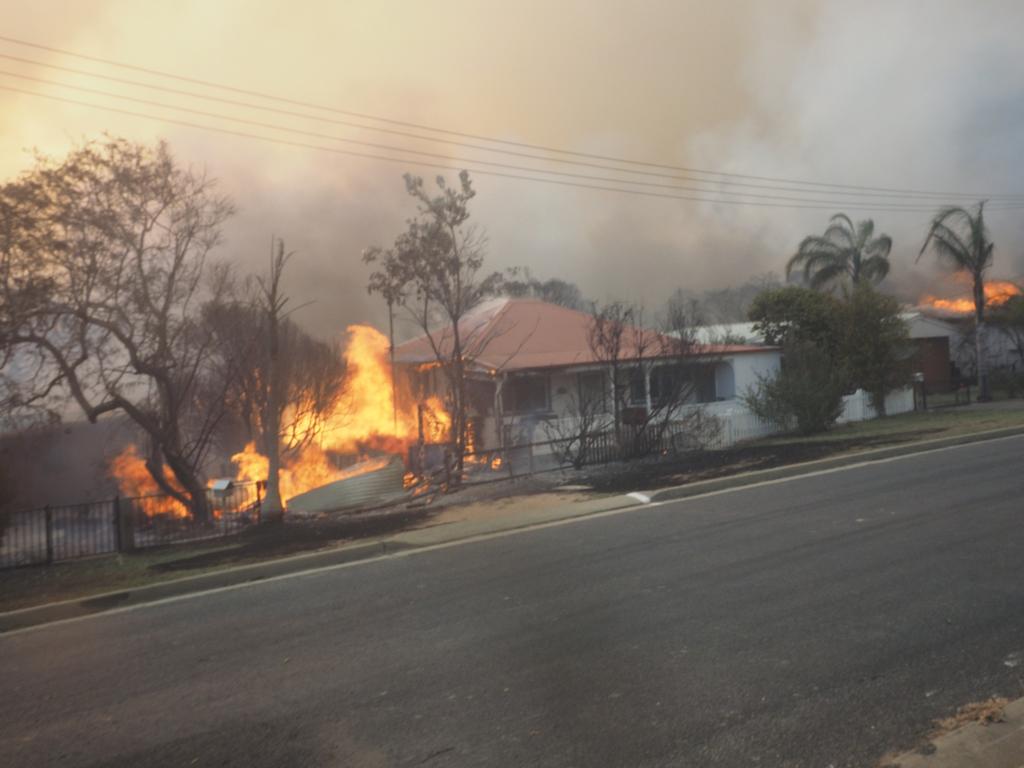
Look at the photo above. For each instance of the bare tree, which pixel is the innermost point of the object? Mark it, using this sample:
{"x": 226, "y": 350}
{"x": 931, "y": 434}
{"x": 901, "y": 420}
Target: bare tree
{"x": 286, "y": 384}
{"x": 433, "y": 272}
{"x": 651, "y": 374}
{"x": 24, "y": 287}
{"x": 121, "y": 242}
{"x": 610, "y": 336}
{"x": 271, "y": 304}
{"x": 586, "y": 420}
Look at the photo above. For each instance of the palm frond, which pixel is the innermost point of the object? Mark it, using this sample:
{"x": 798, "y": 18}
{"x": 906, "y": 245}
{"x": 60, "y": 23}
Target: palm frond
{"x": 950, "y": 249}
{"x": 865, "y": 231}
{"x": 827, "y": 274}
{"x": 879, "y": 246}
{"x": 953, "y": 240}
{"x": 947, "y": 218}
{"x": 816, "y": 243}
{"x": 875, "y": 268}
{"x": 840, "y": 235}
{"x": 843, "y": 220}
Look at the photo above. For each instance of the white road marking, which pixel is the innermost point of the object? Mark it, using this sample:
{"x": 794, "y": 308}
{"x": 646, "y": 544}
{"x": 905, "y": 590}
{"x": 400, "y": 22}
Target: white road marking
{"x": 639, "y": 497}
{"x": 496, "y": 535}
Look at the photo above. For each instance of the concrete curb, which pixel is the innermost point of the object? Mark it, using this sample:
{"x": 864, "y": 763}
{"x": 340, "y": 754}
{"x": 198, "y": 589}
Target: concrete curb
{"x": 450, "y": 533}
{"x": 418, "y": 538}
{"x": 835, "y": 462}
{"x": 226, "y": 577}
{"x": 981, "y": 745}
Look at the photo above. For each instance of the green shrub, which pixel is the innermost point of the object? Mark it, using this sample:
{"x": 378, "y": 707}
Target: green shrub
{"x": 805, "y": 394}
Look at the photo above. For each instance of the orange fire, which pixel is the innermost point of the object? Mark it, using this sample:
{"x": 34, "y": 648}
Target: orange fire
{"x": 310, "y": 469}
{"x": 997, "y": 292}
{"x": 366, "y": 418}
{"x": 134, "y": 481}
{"x": 365, "y": 422}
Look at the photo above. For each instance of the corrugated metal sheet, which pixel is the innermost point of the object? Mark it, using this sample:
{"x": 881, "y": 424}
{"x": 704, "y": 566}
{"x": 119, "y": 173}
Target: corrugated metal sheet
{"x": 366, "y": 490}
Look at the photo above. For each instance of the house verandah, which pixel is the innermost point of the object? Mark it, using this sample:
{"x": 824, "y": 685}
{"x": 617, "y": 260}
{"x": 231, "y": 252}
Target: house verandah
{"x": 532, "y": 376}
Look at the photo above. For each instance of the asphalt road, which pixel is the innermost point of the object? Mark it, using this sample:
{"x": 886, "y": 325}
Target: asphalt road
{"x": 815, "y": 622}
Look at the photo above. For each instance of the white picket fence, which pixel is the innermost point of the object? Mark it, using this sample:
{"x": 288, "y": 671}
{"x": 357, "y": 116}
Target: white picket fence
{"x": 739, "y": 424}
{"x": 857, "y": 407}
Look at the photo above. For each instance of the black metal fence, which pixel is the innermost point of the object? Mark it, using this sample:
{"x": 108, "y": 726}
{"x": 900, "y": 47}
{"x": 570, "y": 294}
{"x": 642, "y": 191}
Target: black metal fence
{"x": 436, "y": 462}
{"x": 55, "y": 533}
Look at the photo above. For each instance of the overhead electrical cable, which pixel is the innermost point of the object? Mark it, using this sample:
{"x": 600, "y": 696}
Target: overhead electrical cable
{"x": 815, "y": 205}
{"x": 432, "y": 155}
{"x": 478, "y": 147}
{"x": 479, "y": 137}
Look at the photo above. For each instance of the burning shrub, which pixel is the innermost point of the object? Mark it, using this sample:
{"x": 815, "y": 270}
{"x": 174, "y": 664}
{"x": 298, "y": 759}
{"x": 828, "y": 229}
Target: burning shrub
{"x": 135, "y": 481}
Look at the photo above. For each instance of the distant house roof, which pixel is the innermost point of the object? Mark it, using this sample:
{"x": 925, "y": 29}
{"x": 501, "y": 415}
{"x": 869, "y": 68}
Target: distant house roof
{"x": 525, "y": 334}
{"x": 929, "y": 323}
{"x": 712, "y": 334}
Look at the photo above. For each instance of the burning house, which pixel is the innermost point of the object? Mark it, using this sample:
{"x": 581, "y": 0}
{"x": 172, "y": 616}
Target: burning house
{"x": 942, "y": 328}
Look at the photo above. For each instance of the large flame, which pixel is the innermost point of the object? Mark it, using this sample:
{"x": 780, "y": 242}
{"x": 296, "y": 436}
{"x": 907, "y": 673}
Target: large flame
{"x": 367, "y": 421}
{"x": 134, "y": 481}
{"x": 997, "y": 292}
{"x": 367, "y": 417}
{"x": 310, "y": 469}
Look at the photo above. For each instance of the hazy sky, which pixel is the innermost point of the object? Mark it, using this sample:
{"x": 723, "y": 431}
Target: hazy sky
{"x": 926, "y": 95}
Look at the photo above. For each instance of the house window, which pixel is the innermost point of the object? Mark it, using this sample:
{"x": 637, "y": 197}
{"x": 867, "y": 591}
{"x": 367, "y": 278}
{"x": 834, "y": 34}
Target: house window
{"x": 674, "y": 384}
{"x": 664, "y": 382}
{"x": 592, "y": 389}
{"x": 526, "y": 394}
{"x": 705, "y": 383}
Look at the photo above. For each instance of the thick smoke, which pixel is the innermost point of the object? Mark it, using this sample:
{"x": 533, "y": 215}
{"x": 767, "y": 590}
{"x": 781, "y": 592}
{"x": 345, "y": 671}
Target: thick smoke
{"x": 874, "y": 94}
{"x": 923, "y": 95}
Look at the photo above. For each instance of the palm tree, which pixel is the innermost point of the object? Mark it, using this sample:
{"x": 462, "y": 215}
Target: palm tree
{"x": 844, "y": 250}
{"x": 960, "y": 238}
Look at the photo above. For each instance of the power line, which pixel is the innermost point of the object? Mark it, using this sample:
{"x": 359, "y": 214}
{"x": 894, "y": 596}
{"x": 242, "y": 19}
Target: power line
{"x": 290, "y": 113}
{"x": 479, "y": 137}
{"x": 819, "y": 205}
{"x": 432, "y": 155}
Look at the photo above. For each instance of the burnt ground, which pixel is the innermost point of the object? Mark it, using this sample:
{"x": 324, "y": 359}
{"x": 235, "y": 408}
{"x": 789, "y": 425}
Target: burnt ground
{"x": 294, "y": 537}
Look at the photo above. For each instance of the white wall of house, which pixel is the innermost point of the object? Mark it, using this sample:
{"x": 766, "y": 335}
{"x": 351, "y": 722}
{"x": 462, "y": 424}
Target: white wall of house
{"x": 747, "y": 367}
{"x": 733, "y": 375}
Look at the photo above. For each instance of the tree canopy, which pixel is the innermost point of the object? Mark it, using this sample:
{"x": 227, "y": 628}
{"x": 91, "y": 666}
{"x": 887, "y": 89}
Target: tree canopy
{"x": 960, "y": 238}
{"x": 844, "y": 252}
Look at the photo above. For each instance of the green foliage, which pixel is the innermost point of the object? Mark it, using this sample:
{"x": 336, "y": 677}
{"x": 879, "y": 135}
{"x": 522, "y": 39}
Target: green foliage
{"x": 797, "y": 313}
{"x": 844, "y": 251}
{"x": 876, "y": 345}
{"x": 862, "y": 337}
{"x": 960, "y": 238}
{"x": 1009, "y": 381}
{"x": 807, "y": 392}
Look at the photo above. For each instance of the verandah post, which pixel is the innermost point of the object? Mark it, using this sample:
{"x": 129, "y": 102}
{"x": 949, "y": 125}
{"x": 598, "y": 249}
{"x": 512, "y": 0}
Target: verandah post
{"x": 48, "y": 517}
